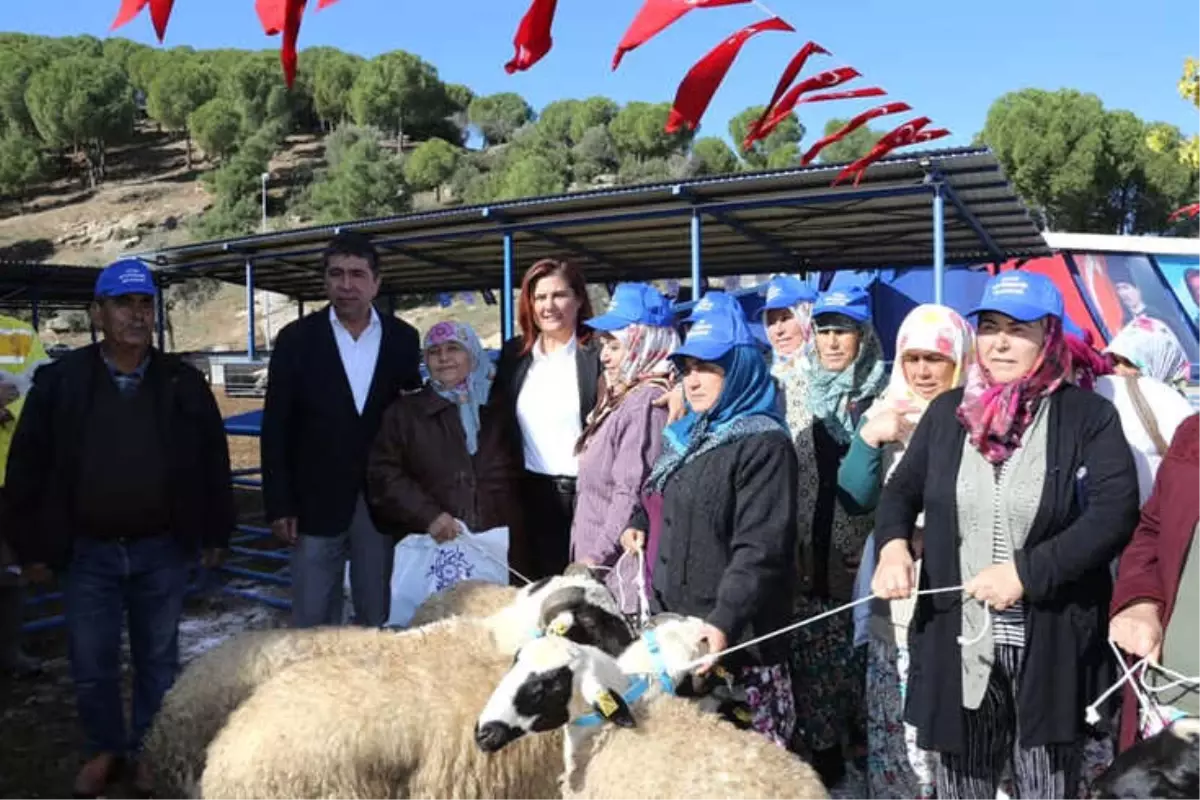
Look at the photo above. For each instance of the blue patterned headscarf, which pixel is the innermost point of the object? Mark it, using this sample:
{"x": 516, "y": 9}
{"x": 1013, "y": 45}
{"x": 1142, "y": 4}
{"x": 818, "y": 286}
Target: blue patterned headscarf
{"x": 748, "y": 404}
{"x": 830, "y": 393}
{"x": 472, "y": 393}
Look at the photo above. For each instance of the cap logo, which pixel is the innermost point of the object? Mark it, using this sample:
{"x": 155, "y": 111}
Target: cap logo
{"x": 701, "y": 330}
{"x": 774, "y": 292}
{"x": 705, "y": 304}
{"x": 837, "y": 299}
{"x": 1009, "y": 286}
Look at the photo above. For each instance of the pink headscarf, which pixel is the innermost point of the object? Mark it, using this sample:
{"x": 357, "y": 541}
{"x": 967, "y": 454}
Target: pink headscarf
{"x": 1087, "y": 363}
{"x": 997, "y": 414}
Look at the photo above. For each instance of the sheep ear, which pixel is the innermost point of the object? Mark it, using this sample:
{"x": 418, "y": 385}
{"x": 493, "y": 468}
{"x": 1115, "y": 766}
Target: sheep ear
{"x": 613, "y": 708}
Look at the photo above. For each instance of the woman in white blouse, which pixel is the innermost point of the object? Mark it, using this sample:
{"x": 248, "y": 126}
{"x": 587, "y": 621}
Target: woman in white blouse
{"x": 548, "y": 378}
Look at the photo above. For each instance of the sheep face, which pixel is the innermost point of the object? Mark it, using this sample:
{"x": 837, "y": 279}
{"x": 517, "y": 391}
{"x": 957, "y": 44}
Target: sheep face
{"x": 576, "y": 607}
{"x": 1165, "y": 765}
{"x": 552, "y": 680}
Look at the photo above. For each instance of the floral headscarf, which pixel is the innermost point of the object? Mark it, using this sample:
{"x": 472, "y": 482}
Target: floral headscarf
{"x": 1153, "y": 348}
{"x": 645, "y": 361}
{"x": 781, "y": 362}
{"x": 997, "y": 414}
{"x": 471, "y": 394}
{"x": 933, "y": 329}
{"x": 830, "y": 393}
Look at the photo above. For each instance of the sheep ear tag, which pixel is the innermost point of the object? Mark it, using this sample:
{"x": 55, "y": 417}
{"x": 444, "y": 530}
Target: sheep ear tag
{"x": 613, "y": 708}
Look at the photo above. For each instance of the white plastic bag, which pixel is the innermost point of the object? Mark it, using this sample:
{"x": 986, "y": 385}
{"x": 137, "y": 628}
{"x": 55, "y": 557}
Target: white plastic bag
{"x": 421, "y": 567}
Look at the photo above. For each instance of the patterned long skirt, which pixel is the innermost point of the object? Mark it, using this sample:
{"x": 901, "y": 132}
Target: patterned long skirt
{"x": 769, "y": 695}
{"x": 896, "y": 766}
{"x": 828, "y": 679}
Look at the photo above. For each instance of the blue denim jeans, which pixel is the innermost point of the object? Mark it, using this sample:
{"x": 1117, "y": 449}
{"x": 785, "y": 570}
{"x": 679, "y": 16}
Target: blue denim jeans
{"x": 107, "y": 580}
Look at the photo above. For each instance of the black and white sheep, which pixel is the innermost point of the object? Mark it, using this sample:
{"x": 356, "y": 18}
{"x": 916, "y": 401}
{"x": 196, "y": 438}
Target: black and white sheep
{"x": 399, "y": 721}
{"x": 1166, "y": 765}
{"x": 625, "y": 737}
{"x": 216, "y": 683}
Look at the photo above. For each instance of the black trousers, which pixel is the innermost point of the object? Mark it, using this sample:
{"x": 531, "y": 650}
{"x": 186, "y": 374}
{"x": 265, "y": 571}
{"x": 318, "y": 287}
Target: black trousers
{"x": 548, "y": 503}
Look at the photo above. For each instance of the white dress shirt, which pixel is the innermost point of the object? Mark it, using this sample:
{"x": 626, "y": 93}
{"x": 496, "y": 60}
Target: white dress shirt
{"x": 548, "y": 411}
{"x": 359, "y": 356}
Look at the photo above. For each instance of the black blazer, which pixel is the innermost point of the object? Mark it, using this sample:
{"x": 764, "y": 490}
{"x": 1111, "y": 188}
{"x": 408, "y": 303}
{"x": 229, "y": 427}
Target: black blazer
{"x": 314, "y": 443}
{"x": 510, "y": 377}
{"x": 1082, "y": 523}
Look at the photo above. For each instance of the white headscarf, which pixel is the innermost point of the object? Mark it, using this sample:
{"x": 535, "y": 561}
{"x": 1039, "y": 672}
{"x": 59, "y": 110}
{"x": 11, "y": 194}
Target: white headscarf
{"x": 1153, "y": 348}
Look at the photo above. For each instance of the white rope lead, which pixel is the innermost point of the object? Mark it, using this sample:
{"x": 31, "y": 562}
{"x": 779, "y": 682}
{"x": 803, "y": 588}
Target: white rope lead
{"x": 712, "y": 657}
{"x": 466, "y": 535}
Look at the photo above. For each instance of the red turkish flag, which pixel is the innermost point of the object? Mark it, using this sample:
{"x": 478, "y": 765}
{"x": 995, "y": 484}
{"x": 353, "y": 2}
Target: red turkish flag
{"x": 900, "y": 136}
{"x": 849, "y": 94}
{"x": 697, "y": 88}
{"x": 160, "y": 14}
{"x": 825, "y": 80}
{"x": 1187, "y": 211}
{"x": 325, "y": 4}
{"x": 929, "y": 134}
{"x": 851, "y": 126}
{"x": 532, "y": 41}
{"x": 785, "y": 80}
{"x": 655, "y": 15}
{"x": 283, "y": 16}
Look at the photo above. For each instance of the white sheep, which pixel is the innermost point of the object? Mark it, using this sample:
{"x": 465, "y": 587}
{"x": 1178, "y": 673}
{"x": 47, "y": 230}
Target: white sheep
{"x": 399, "y": 723}
{"x": 216, "y": 683}
{"x": 626, "y": 737}
{"x": 468, "y": 598}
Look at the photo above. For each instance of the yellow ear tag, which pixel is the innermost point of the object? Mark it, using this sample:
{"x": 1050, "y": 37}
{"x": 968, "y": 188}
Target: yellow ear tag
{"x": 743, "y": 715}
{"x": 558, "y": 628}
{"x": 606, "y": 703}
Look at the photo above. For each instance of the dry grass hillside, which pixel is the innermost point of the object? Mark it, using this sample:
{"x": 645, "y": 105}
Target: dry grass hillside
{"x": 150, "y": 200}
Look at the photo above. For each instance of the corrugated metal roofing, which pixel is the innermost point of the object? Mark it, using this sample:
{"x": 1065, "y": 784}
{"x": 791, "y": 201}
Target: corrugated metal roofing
{"x": 53, "y": 285}
{"x": 784, "y": 220}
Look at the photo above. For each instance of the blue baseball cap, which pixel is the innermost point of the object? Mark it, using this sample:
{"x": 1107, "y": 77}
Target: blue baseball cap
{"x": 1024, "y": 296}
{"x": 715, "y": 333}
{"x": 633, "y": 303}
{"x": 127, "y": 276}
{"x": 853, "y": 302}
{"x": 785, "y": 291}
{"x": 717, "y": 301}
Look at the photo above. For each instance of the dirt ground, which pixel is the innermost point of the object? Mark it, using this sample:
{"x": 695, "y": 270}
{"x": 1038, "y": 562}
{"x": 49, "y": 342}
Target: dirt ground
{"x": 40, "y": 741}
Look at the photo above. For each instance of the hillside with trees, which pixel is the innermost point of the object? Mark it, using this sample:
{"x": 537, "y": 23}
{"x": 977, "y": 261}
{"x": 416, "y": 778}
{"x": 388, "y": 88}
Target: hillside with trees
{"x": 168, "y": 145}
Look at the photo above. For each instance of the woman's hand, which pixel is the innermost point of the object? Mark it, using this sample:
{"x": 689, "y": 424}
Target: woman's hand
{"x": 886, "y": 426}
{"x": 673, "y": 402}
{"x": 997, "y": 585}
{"x": 443, "y": 528}
{"x": 1137, "y": 630}
{"x": 895, "y": 576}
{"x": 717, "y": 642}
{"x": 633, "y": 540}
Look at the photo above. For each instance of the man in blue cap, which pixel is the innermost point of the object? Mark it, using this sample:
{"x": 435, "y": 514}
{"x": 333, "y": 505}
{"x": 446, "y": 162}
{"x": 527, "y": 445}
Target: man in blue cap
{"x": 118, "y": 475}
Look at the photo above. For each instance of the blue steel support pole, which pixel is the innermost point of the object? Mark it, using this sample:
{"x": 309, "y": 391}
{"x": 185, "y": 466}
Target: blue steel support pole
{"x": 939, "y": 243}
{"x": 251, "y": 352}
{"x": 506, "y": 294}
{"x": 299, "y": 309}
{"x": 160, "y": 318}
{"x": 695, "y": 255}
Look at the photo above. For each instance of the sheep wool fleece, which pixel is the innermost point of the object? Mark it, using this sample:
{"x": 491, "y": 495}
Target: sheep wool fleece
{"x": 411, "y": 734}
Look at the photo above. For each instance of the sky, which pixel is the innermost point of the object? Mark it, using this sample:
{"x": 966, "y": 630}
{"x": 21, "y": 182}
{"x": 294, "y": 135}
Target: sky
{"x": 949, "y": 59}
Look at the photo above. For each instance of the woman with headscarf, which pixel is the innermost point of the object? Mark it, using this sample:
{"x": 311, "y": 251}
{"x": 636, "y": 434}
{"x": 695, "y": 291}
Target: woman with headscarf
{"x": 1151, "y": 372}
{"x": 442, "y": 454}
{"x": 787, "y": 320}
{"x": 623, "y": 435}
{"x": 826, "y": 396}
{"x": 1028, "y": 492}
{"x": 1149, "y": 348}
{"x": 934, "y": 347}
{"x": 727, "y": 479}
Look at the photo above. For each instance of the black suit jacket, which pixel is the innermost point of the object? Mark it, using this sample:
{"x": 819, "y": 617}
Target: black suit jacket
{"x": 510, "y": 377}
{"x": 314, "y": 442}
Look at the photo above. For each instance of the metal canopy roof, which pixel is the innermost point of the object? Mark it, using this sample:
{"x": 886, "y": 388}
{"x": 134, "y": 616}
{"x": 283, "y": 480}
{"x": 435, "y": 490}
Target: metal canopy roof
{"x": 780, "y": 221}
{"x": 24, "y": 284}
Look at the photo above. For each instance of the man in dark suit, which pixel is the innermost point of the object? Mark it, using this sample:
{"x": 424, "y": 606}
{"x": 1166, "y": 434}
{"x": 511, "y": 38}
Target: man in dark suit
{"x": 331, "y": 376}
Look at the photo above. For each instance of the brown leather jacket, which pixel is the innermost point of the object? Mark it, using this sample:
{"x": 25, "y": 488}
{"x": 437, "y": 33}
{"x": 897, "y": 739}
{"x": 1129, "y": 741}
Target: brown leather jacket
{"x": 419, "y": 467}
